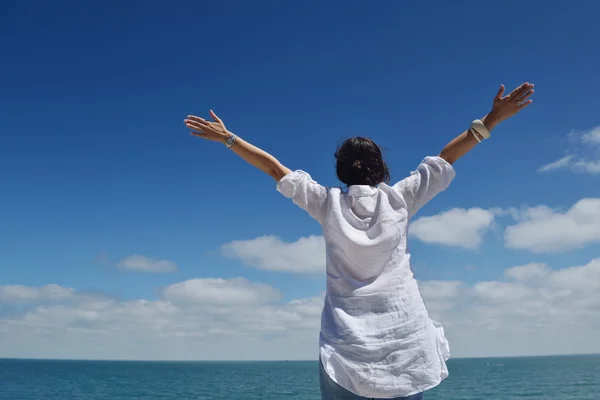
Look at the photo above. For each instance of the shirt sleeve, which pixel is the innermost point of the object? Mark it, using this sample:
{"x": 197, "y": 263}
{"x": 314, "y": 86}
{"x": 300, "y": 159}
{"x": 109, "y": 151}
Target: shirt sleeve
{"x": 433, "y": 176}
{"x": 305, "y": 193}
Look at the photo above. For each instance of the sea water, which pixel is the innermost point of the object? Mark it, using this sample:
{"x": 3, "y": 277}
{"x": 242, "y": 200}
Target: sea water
{"x": 561, "y": 377}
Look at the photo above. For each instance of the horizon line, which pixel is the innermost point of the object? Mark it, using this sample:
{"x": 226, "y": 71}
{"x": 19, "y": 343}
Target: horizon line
{"x": 267, "y": 360}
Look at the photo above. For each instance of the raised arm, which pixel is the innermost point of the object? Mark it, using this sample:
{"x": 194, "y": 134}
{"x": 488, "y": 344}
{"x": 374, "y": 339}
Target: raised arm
{"x": 503, "y": 108}
{"x": 217, "y": 132}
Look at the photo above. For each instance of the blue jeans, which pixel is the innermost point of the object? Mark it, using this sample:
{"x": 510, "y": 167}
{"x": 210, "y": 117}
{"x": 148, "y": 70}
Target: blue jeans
{"x": 332, "y": 391}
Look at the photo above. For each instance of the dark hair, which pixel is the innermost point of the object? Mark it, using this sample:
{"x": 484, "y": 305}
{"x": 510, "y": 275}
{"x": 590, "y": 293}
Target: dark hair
{"x": 359, "y": 161}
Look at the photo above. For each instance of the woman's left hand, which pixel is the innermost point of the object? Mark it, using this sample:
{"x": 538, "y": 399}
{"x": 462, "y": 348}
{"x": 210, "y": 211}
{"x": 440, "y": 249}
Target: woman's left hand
{"x": 214, "y": 131}
{"x": 505, "y": 107}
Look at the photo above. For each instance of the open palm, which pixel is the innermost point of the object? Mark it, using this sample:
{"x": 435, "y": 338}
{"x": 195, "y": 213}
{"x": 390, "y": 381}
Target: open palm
{"x": 506, "y": 106}
{"x": 215, "y": 131}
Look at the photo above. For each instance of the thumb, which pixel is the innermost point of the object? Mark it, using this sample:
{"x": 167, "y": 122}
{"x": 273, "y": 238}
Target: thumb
{"x": 214, "y": 116}
{"x": 500, "y": 93}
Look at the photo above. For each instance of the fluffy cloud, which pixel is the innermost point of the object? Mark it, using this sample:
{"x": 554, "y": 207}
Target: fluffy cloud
{"x": 582, "y": 156}
{"x": 592, "y": 136}
{"x": 456, "y": 227}
{"x": 532, "y": 309}
{"x": 28, "y": 294}
{"x": 528, "y": 272}
{"x": 544, "y": 230}
{"x": 536, "y": 296}
{"x": 194, "y": 319}
{"x": 529, "y": 309}
{"x": 589, "y": 166}
{"x": 440, "y": 294}
{"x": 238, "y": 291}
{"x": 306, "y": 255}
{"x": 558, "y": 164}
{"x": 539, "y": 229}
{"x": 146, "y": 264}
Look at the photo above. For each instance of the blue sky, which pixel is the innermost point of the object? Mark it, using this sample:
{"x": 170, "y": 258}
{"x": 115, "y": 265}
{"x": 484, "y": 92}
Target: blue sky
{"x": 97, "y": 165}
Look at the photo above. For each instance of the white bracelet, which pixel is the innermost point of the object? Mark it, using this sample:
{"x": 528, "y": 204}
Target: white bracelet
{"x": 480, "y": 128}
{"x": 475, "y": 134}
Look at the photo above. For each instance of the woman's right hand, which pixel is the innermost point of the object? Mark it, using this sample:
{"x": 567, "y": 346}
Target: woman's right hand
{"x": 214, "y": 131}
{"x": 507, "y": 106}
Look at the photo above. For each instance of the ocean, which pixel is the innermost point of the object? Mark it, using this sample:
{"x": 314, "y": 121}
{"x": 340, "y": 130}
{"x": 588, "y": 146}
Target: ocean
{"x": 532, "y": 378}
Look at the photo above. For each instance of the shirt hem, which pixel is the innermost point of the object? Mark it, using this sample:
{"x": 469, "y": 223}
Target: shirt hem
{"x": 422, "y": 389}
{"x": 388, "y": 396}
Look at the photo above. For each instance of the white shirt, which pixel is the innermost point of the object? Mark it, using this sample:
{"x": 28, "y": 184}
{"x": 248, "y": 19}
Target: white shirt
{"x": 377, "y": 339}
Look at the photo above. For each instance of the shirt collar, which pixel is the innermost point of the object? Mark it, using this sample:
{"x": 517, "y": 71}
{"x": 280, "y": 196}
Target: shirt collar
{"x": 361, "y": 190}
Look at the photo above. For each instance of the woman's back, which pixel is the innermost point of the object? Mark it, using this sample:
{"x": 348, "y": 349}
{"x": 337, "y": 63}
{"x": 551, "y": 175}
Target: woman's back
{"x": 364, "y": 233}
{"x": 377, "y": 339}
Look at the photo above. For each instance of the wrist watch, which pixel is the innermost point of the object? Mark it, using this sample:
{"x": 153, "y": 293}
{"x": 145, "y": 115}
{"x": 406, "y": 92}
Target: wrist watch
{"x": 230, "y": 140}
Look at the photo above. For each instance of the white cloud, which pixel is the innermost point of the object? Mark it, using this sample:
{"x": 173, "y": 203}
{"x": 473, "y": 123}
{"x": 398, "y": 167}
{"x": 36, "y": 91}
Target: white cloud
{"x": 237, "y": 291}
{"x": 306, "y": 255}
{"x": 544, "y": 230}
{"x": 28, "y": 294}
{"x": 589, "y": 166}
{"x": 558, "y": 164}
{"x": 456, "y": 227}
{"x": 535, "y": 310}
{"x": 530, "y": 309}
{"x": 527, "y": 272}
{"x": 592, "y": 136}
{"x": 195, "y": 319}
{"x": 438, "y": 295}
{"x": 146, "y": 264}
{"x": 583, "y": 156}
{"x": 497, "y": 292}
{"x": 440, "y": 290}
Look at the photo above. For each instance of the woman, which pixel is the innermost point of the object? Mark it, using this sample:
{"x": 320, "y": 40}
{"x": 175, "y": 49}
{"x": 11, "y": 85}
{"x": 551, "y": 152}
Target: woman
{"x": 377, "y": 340}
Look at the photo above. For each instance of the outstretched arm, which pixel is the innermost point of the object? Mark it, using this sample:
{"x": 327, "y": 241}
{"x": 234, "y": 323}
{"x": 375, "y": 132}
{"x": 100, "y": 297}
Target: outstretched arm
{"x": 503, "y": 108}
{"x": 216, "y": 132}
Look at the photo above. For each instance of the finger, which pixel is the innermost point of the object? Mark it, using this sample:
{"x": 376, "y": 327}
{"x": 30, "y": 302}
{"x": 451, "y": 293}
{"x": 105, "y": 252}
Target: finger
{"x": 197, "y": 134}
{"x": 525, "y": 104}
{"x": 214, "y": 116}
{"x": 526, "y": 96}
{"x": 518, "y": 89}
{"x": 500, "y": 93}
{"x": 198, "y": 124}
{"x": 195, "y": 126}
{"x": 192, "y": 123}
{"x": 523, "y": 90}
{"x": 197, "y": 119}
